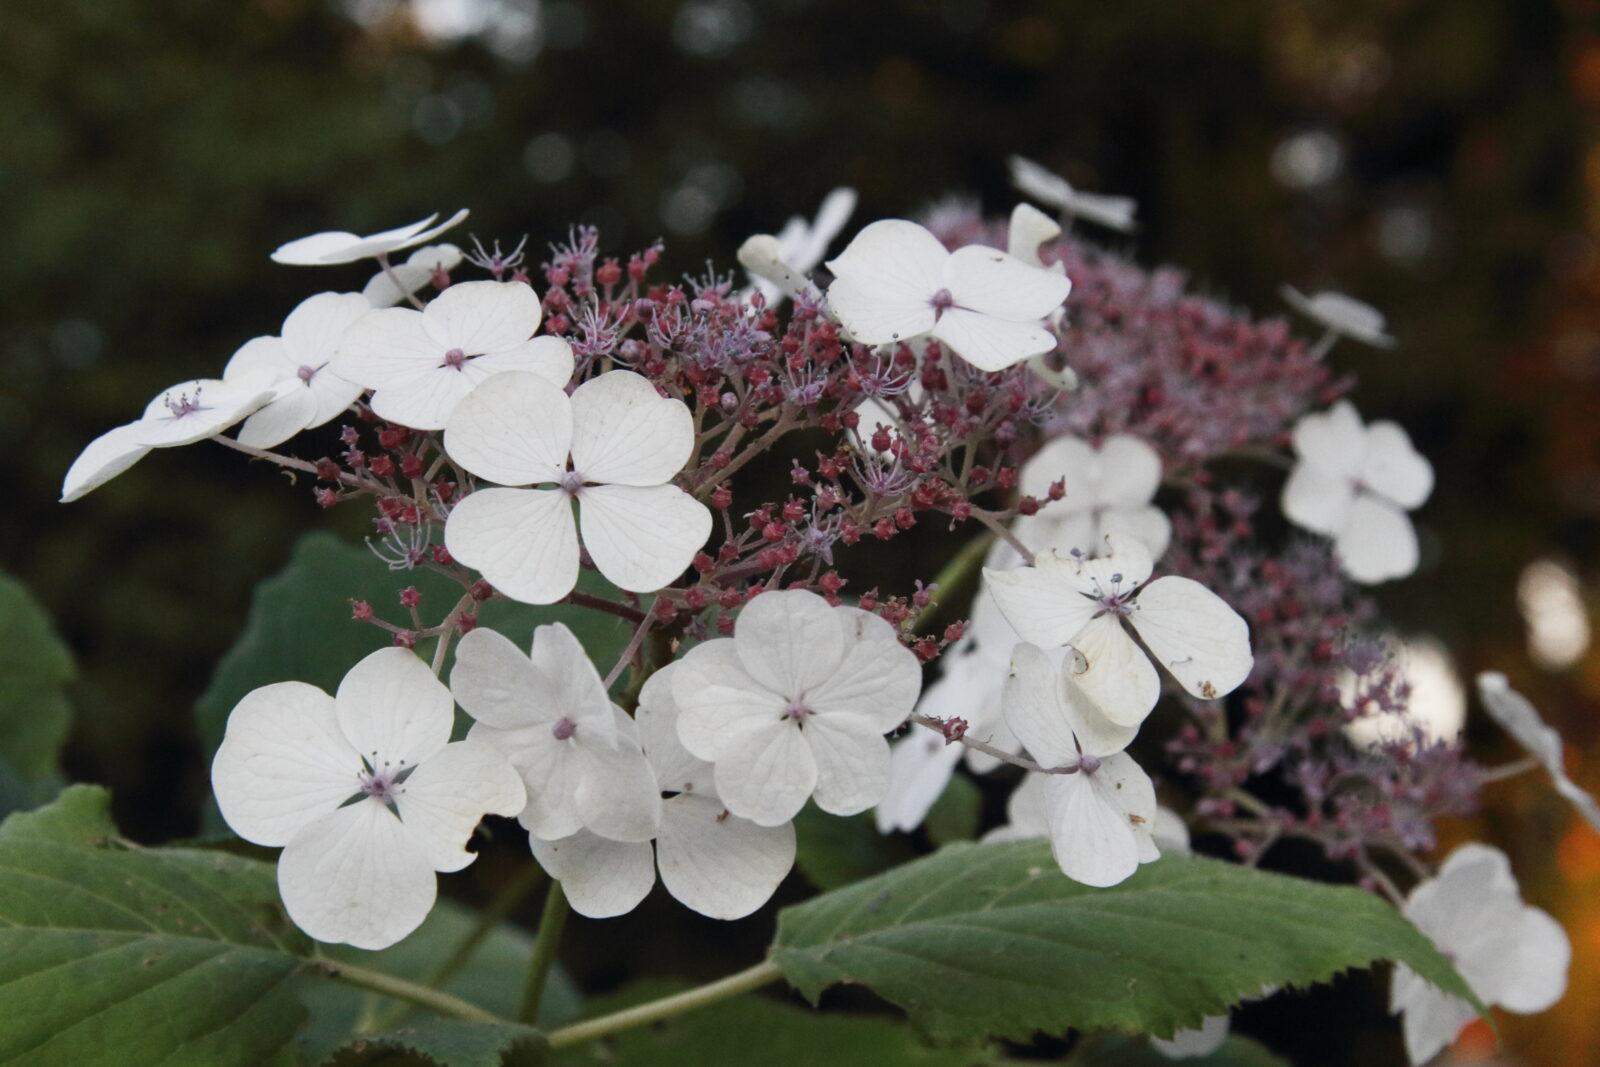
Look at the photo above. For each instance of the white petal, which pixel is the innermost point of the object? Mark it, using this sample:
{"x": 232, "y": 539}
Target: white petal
{"x": 718, "y": 699}
{"x": 1333, "y": 441}
{"x": 1042, "y": 604}
{"x": 1036, "y": 181}
{"x": 449, "y": 794}
{"x": 1130, "y": 472}
{"x": 1026, "y": 811}
{"x": 642, "y": 537}
{"x": 601, "y": 879}
{"x": 762, "y": 256}
{"x": 106, "y": 457}
{"x": 316, "y": 250}
{"x": 483, "y": 316}
{"x": 618, "y": 795}
{"x": 1533, "y": 975}
{"x": 168, "y": 423}
{"x": 1119, "y": 678}
{"x": 812, "y": 244}
{"x": 1316, "y": 499}
{"x": 1393, "y": 468}
{"x": 1431, "y": 1021}
{"x": 878, "y": 679}
{"x": 551, "y": 771}
{"x": 920, "y": 766}
{"x": 1070, "y": 460}
{"x": 719, "y": 864}
{"x": 1171, "y": 832}
{"x": 1378, "y": 542}
{"x": 874, "y": 315}
{"x": 1517, "y": 716}
{"x": 496, "y": 683}
{"x": 266, "y": 359}
{"x": 766, "y": 772}
{"x": 1205, "y": 1039}
{"x": 852, "y": 761}
{"x": 515, "y": 429}
{"x": 1090, "y": 835}
{"x": 393, "y": 710}
{"x": 625, "y": 433}
{"x": 1148, "y": 525}
{"x": 355, "y": 876}
{"x": 677, "y": 769}
{"x": 1035, "y": 708}
{"x": 994, "y": 284}
{"x": 387, "y": 349}
{"x": 431, "y": 232}
{"x": 548, "y": 357}
{"x": 990, "y": 343}
{"x": 283, "y": 763}
{"x": 427, "y": 403}
{"x": 885, "y": 281}
{"x": 1194, "y": 634}
{"x": 523, "y": 541}
{"x": 280, "y": 419}
{"x": 789, "y": 641}
{"x": 1028, "y": 230}
{"x": 314, "y": 329}
{"x": 570, "y": 682}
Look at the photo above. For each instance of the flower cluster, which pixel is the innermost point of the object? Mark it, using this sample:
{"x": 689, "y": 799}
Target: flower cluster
{"x": 574, "y": 434}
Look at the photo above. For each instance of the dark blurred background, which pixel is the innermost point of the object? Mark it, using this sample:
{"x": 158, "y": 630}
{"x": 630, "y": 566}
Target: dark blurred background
{"x": 1439, "y": 160}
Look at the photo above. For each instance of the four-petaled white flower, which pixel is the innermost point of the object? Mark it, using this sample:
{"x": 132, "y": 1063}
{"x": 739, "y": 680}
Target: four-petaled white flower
{"x": 895, "y": 282}
{"x": 711, "y": 860}
{"x": 1355, "y": 483}
{"x": 1341, "y": 316}
{"x": 420, "y": 364}
{"x": 308, "y": 392}
{"x": 1065, "y": 599}
{"x": 780, "y": 264}
{"x": 188, "y": 412}
{"x": 795, "y": 705}
{"x": 612, "y": 448}
{"x": 1108, "y": 489}
{"x": 387, "y": 288}
{"x": 1101, "y": 813}
{"x": 363, "y": 791}
{"x": 1509, "y": 953}
{"x": 334, "y": 247}
{"x": 1052, "y": 190}
{"x": 548, "y": 713}
{"x": 1518, "y": 717}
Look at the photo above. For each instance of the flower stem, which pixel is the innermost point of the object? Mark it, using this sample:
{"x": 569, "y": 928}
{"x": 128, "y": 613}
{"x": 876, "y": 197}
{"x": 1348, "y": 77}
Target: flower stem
{"x": 552, "y": 921}
{"x": 1510, "y": 770}
{"x": 734, "y": 984}
{"x": 420, "y": 995}
{"x": 954, "y": 573}
{"x": 1000, "y": 531}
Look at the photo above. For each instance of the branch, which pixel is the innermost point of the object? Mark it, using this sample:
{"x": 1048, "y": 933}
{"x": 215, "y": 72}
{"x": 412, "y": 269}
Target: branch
{"x": 746, "y": 980}
{"x": 1000, "y": 531}
{"x": 399, "y": 988}
{"x": 600, "y": 603}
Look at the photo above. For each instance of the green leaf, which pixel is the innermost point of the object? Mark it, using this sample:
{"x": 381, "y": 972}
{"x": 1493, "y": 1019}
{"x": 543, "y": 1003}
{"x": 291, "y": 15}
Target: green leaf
{"x": 444, "y": 1043}
{"x": 834, "y": 850}
{"x": 993, "y": 940}
{"x": 786, "y": 1035}
{"x": 1123, "y": 1051}
{"x": 170, "y": 956}
{"x": 955, "y": 815}
{"x": 35, "y": 668}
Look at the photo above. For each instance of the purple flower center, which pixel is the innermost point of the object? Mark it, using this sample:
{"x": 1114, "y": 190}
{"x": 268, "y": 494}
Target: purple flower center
{"x": 942, "y": 301}
{"x": 455, "y": 359}
{"x": 1088, "y": 764}
{"x": 797, "y": 711}
{"x": 571, "y": 482}
{"x": 563, "y": 729}
{"x": 377, "y": 784}
{"x": 306, "y": 373}
{"x": 184, "y": 404}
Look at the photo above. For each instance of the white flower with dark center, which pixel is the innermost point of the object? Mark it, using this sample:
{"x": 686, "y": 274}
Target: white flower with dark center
{"x": 795, "y": 705}
{"x": 188, "y": 412}
{"x": 1341, "y": 316}
{"x": 388, "y": 287}
{"x": 1101, "y": 812}
{"x": 309, "y": 393}
{"x": 1355, "y": 483}
{"x": 780, "y": 265}
{"x": 364, "y": 793}
{"x": 1052, "y": 190}
{"x": 548, "y": 713}
{"x": 896, "y": 282}
{"x": 1108, "y": 489}
{"x": 611, "y": 448}
{"x": 420, "y": 364}
{"x": 336, "y": 246}
{"x": 1510, "y": 954}
{"x": 1064, "y": 599}
{"x": 711, "y": 860}
{"x": 1518, "y": 717}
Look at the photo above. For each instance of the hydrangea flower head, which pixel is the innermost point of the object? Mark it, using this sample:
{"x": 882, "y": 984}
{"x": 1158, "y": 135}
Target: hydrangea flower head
{"x": 612, "y": 448}
{"x": 363, "y": 791}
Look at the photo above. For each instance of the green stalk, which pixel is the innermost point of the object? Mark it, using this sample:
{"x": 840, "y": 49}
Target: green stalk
{"x": 746, "y": 980}
{"x": 551, "y": 923}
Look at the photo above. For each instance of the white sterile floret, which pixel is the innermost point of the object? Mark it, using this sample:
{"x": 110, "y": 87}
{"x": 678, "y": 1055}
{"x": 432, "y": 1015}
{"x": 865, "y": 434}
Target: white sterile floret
{"x": 307, "y": 391}
{"x": 1030, "y": 229}
{"x": 1108, "y": 489}
{"x": 612, "y": 448}
{"x": 336, "y": 246}
{"x": 1342, "y": 315}
{"x": 1064, "y": 599}
{"x": 420, "y": 364}
{"x": 548, "y": 713}
{"x": 388, "y": 287}
{"x": 188, "y": 412}
{"x": 1355, "y": 483}
{"x": 896, "y": 281}
{"x": 711, "y": 860}
{"x": 1101, "y": 812}
{"x": 780, "y": 264}
{"x": 364, "y": 793}
{"x": 795, "y": 704}
{"x": 1052, "y": 190}
{"x": 1510, "y": 954}
{"x": 1518, "y": 717}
